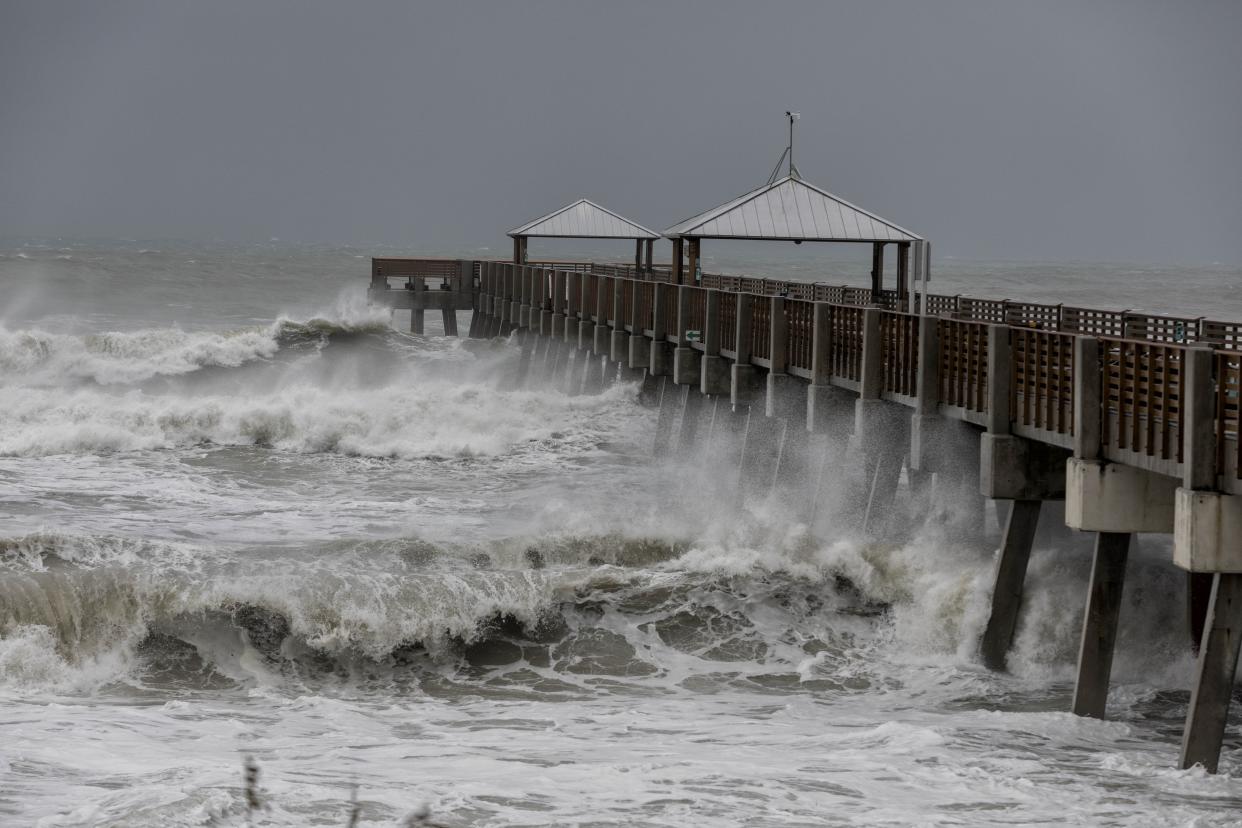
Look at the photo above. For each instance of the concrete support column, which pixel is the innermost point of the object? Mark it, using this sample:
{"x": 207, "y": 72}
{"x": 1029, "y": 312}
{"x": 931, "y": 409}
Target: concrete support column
{"x": 686, "y": 368}
{"x": 821, "y": 396}
{"x": 715, "y": 377}
{"x": 559, "y": 279}
{"x": 515, "y": 300}
{"x": 600, "y": 344}
{"x": 493, "y": 299}
{"x": 928, "y": 449}
{"x": 1207, "y": 544}
{"x": 1090, "y": 488}
{"x": 476, "y": 301}
{"x": 618, "y": 350}
{"x": 745, "y": 380}
{"x": 639, "y": 357}
{"x": 1214, "y": 674}
{"x": 1099, "y": 628}
{"x": 660, "y": 363}
{"x": 573, "y": 307}
{"x": 1011, "y": 562}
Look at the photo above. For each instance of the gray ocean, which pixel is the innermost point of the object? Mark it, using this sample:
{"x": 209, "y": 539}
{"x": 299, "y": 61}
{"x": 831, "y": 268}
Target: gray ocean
{"x": 244, "y": 514}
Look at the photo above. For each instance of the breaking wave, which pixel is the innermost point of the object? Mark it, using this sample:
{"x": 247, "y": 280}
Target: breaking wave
{"x": 80, "y": 611}
{"x": 40, "y": 358}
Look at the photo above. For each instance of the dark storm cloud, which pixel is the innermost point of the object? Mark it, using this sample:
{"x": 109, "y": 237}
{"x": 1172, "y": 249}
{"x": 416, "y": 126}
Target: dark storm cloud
{"x": 1105, "y": 130}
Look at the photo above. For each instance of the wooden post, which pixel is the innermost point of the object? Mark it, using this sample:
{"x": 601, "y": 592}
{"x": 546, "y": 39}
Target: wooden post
{"x": 1087, "y": 397}
{"x": 711, "y": 324}
{"x": 877, "y": 271}
{"x": 821, "y": 344}
{"x": 650, "y": 247}
{"x": 638, "y": 257}
{"x": 872, "y": 363}
{"x": 999, "y": 379}
{"x": 1198, "y": 465}
{"x": 679, "y": 274}
{"x": 903, "y": 273}
{"x": 928, "y": 381}
{"x": 778, "y": 335}
{"x": 741, "y": 329}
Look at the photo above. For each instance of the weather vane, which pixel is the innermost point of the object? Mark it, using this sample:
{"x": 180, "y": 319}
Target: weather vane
{"x": 788, "y": 153}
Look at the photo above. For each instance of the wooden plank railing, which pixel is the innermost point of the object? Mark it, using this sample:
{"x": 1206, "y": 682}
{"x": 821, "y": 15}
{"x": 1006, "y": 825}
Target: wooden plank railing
{"x": 1141, "y": 374}
{"x": 761, "y": 329}
{"x": 1042, "y": 380}
{"x": 625, "y": 312}
{"x": 963, "y": 364}
{"x": 728, "y": 319}
{"x": 698, "y": 309}
{"x": 800, "y": 340}
{"x": 1142, "y": 400}
{"x": 668, "y": 301}
{"x": 606, "y": 291}
{"x": 847, "y": 344}
{"x": 1093, "y": 322}
{"x": 590, "y": 288}
{"x": 899, "y": 352}
{"x": 645, "y": 292}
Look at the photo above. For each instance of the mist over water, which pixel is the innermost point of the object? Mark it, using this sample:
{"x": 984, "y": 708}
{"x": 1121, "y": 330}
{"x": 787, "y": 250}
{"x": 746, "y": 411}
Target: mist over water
{"x": 245, "y": 514}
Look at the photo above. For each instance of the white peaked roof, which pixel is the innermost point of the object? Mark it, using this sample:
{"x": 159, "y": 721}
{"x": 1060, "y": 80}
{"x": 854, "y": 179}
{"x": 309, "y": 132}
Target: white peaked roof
{"x": 584, "y": 219}
{"x": 790, "y": 209}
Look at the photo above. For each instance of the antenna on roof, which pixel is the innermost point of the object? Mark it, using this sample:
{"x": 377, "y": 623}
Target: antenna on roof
{"x": 788, "y": 153}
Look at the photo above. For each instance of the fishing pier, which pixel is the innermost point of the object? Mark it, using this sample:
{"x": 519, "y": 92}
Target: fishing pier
{"x": 1131, "y": 420}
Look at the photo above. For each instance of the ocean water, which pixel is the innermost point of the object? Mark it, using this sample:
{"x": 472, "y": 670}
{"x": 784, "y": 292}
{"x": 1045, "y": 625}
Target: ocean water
{"x": 243, "y": 514}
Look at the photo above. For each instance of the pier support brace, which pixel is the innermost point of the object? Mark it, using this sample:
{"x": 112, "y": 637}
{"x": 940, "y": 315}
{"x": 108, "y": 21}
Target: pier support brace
{"x": 1218, "y": 662}
{"x": 1099, "y": 626}
{"x": 1011, "y": 563}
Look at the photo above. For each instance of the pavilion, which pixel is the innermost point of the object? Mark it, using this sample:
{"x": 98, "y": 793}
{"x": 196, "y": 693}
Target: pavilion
{"x": 584, "y": 219}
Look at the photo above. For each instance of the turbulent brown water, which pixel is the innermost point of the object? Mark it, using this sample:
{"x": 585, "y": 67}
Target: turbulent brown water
{"x": 243, "y": 515}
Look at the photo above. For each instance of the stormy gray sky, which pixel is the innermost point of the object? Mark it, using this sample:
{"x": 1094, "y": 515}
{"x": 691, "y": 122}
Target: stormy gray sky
{"x": 1026, "y": 130}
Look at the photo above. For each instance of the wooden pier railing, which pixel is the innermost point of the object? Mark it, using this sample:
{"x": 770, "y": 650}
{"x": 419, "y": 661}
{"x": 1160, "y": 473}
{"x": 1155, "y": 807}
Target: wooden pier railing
{"x": 1141, "y": 355}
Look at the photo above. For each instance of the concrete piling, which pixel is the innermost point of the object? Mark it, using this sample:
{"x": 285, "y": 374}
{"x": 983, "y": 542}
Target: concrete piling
{"x": 1011, "y": 563}
{"x": 1214, "y": 674}
{"x": 1099, "y": 628}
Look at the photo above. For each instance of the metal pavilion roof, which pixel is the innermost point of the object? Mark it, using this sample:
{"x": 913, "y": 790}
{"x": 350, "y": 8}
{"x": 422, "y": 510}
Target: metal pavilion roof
{"x": 790, "y": 209}
{"x": 584, "y": 219}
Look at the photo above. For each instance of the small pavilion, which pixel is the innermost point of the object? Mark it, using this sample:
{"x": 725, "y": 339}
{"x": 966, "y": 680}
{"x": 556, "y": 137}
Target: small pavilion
{"x": 792, "y": 209}
{"x": 584, "y": 219}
